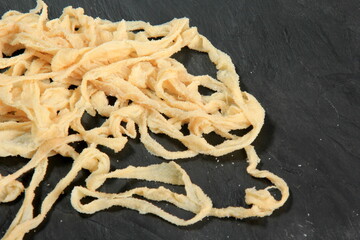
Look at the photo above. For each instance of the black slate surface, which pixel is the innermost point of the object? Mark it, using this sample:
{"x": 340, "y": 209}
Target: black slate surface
{"x": 301, "y": 59}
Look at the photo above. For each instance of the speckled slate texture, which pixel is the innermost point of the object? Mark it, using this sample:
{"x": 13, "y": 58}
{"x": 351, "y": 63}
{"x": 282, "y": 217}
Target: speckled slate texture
{"x": 301, "y": 59}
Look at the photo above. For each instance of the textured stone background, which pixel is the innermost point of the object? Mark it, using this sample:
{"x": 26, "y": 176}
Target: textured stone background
{"x": 301, "y": 59}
